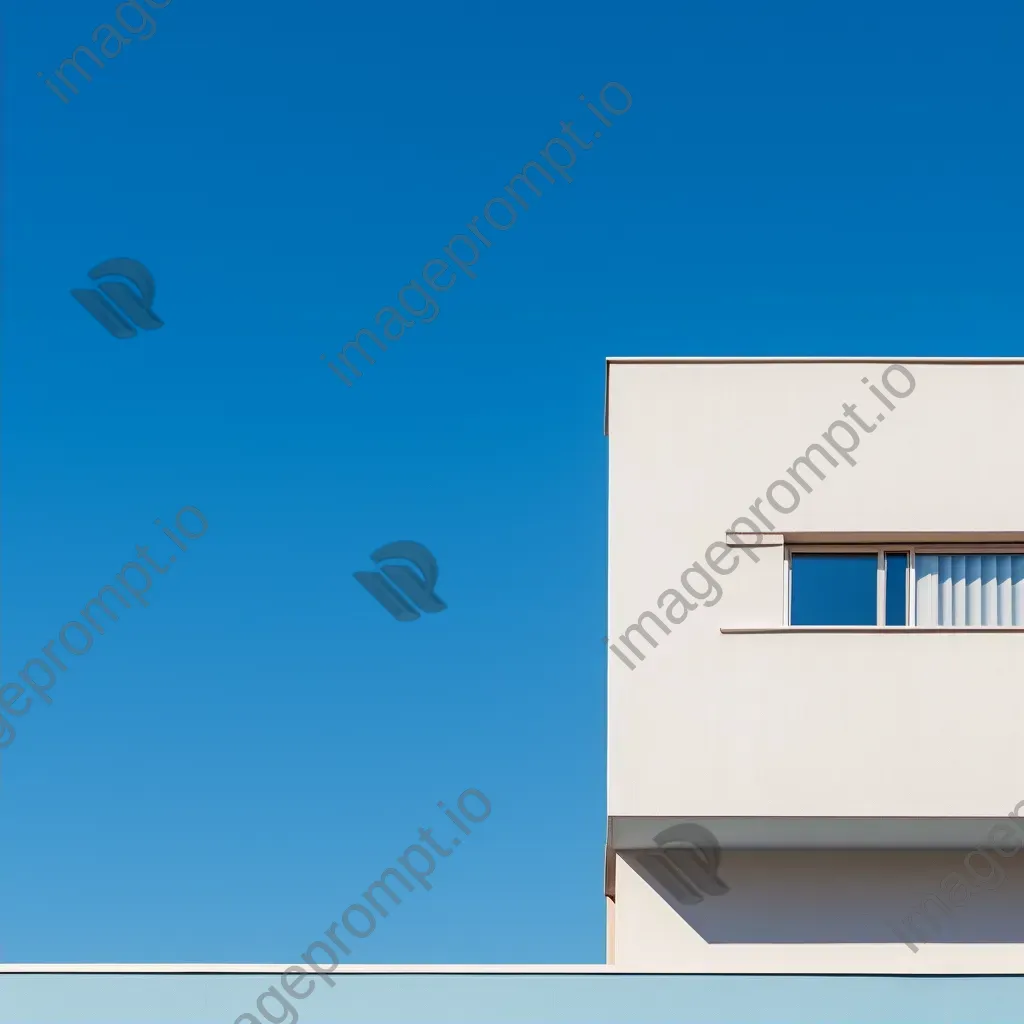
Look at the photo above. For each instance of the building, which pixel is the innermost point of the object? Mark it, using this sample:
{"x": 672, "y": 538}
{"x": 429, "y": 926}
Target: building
{"x": 816, "y": 609}
{"x": 774, "y": 525}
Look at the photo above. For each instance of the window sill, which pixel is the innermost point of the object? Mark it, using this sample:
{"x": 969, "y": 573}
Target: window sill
{"x": 872, "y": 629}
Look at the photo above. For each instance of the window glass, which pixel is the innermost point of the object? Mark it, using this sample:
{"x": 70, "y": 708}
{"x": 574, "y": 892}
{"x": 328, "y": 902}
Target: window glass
{"x": 895, "y": 588}
{"x": 834, "y": 590}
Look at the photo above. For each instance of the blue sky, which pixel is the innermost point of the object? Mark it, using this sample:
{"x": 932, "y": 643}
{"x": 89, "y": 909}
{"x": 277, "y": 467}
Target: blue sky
{"x": 226, "y": 770}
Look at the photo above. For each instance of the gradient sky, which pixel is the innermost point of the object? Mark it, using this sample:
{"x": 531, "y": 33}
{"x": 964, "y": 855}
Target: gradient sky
{"x": 227, "y": 769}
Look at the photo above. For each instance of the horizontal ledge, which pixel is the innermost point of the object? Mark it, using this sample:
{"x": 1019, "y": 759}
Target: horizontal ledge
{"x": 823, "y": 834}
{"x": 735, "y": 539}
{"x": 264, "y": 969}
{"x": 872, "y": 629}
{"x": 979, "y": 960}
{"x": 972, "y": 539}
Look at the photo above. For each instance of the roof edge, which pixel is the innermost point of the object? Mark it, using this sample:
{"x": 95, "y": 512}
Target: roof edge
{"x": 932, "y": 360}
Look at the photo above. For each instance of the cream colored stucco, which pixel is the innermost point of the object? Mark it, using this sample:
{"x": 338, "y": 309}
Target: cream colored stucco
{"x": 786, "y": 724}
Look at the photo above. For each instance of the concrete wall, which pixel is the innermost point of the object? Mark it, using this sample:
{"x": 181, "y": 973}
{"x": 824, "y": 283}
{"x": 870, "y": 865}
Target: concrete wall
{"x": 796, "y": 723}
{"x": 891, "y": 911}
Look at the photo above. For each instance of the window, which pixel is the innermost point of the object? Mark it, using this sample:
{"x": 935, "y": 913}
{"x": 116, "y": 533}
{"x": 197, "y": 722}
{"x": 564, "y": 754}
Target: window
{"x": 834, "y": 590}
{"x": 919, "y": 585}
{"x": 897, "y": 571}
{"x": 970, "y": 590}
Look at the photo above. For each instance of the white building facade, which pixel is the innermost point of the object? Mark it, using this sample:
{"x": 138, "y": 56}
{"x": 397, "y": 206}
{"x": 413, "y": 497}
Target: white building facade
{"x": 849, "y": 746}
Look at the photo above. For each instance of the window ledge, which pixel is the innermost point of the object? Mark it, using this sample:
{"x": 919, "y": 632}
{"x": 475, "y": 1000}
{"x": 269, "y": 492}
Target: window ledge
{"x": 872, "y": 629}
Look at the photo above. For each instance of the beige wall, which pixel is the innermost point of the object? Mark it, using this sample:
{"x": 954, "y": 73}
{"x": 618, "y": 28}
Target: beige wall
{"x": 824, "y": 912}
{"x": 788, "y": 723}
{"x": 884, "y": 726}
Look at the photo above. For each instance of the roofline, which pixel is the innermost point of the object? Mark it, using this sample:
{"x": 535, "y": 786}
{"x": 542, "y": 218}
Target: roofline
{"x": 934, "y": 360}
{"x": 766, "y": 970}
{"x": 189, "y": 968}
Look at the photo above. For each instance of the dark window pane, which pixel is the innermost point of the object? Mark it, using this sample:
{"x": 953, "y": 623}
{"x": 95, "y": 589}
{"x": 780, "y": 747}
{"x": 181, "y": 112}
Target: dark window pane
{"x": 895, "y": 589}
{"x": 834, "y": 590}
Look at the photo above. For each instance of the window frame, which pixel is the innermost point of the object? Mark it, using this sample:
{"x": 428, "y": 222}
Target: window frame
{"x": 911, "y": 550}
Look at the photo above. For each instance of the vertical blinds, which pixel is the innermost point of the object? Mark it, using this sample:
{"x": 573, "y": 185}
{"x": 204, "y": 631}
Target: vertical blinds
{"x": 970, "y": 590}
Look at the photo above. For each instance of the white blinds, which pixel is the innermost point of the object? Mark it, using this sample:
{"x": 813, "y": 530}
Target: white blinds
{"x": 970, "y": 590}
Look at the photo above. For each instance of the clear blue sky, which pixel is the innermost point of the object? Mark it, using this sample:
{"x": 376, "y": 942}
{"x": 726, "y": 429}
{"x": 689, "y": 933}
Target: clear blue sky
{"x": 226, "y": 770}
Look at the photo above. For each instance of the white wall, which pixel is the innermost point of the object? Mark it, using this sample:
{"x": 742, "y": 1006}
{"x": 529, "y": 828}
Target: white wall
{"x": 826, "y": 912}
{"x": 806, "y": 724}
